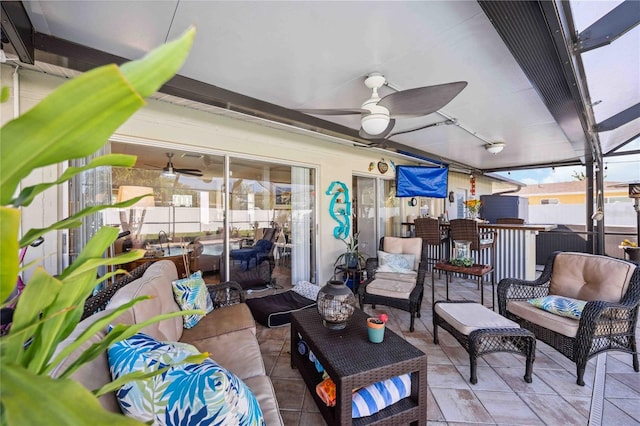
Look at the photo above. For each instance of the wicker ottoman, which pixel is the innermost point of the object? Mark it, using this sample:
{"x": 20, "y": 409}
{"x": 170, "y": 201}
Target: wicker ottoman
{"x": 481, "y": 331}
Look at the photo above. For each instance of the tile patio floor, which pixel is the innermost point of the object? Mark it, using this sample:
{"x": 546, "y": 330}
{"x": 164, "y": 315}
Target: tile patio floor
{"x": 611, "y": 395}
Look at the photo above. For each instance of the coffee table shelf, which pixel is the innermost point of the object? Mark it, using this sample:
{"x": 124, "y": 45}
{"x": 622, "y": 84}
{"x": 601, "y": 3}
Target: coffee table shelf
{"x": 353, "y": 362}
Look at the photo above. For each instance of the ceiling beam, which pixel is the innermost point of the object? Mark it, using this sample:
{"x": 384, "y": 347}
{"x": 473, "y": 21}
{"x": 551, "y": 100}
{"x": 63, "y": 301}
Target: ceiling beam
{"x": 605, "y": 30}
{"x": 617, "y": 120}
{"x": 82, "y": 58}
{"x": 533, "y": 34}
{"x": 17, "y": 28}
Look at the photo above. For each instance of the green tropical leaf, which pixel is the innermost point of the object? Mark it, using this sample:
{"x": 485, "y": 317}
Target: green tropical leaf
{"x": 74, "y": 220}
{"x": 27, "y": 195}
{"x": 9, "y": 263}
{"x": 4, "y": 94}
{"x": 30, "y": 399}
{"x": 149, "y": 73}
{"x": 79, "y": 129}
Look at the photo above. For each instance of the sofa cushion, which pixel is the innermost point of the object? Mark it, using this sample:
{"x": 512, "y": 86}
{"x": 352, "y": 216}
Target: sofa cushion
{"x": 590, "y": 277}
{"x": 560, "y": 305}
{"x": 186, "y": 393}
{"x": 262, "y": 388}
{"x": 221, "y": 321}
{"x": 95, "y": 374}
{"x": 192, "y": 293}
{"x": 404, "y": 245}
{"x": 395, "y": 262}
{"x": 156, "y": 282}
{"x": 239, "y": 352}
{"x": 563, "y": 325}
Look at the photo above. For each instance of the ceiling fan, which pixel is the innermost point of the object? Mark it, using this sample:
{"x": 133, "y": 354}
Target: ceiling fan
{"x": 170, "y": 170}
{"x": 378, "y": 114}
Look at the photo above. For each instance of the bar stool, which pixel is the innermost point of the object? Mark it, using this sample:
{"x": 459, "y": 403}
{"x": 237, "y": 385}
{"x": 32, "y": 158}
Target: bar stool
{"x": 483, "y": 243}
{"x": 429, "y": 230}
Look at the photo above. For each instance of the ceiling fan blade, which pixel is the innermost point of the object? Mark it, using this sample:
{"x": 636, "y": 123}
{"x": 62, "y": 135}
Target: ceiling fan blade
{"x": 334, "y": 111}
{"x": 421, "y": 100}
{"x": 365, "y": 135}
{"x": 190, "y": 172}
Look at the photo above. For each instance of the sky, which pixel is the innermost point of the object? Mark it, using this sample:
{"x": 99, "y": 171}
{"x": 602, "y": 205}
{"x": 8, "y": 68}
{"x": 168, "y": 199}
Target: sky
{"x": 617, "y": 169}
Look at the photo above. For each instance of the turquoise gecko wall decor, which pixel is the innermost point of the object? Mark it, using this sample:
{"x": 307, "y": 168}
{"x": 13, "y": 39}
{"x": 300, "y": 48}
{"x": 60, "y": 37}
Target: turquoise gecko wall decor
{"x": 340, "y": 209}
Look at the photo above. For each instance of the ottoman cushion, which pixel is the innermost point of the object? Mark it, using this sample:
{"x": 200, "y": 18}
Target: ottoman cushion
{"x": 467, "y": 317}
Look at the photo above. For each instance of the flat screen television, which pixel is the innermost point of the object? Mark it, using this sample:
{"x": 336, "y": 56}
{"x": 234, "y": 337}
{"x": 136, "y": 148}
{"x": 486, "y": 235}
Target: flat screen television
{"x": 421, "y": 181}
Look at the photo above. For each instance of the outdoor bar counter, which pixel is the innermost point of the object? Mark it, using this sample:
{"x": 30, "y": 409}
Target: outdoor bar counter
{"x": 515, "y": 249}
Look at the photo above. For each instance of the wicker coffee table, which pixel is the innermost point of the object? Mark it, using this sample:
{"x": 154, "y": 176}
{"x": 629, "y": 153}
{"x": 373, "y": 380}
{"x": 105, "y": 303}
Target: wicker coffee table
{"x": 353, "y": 362}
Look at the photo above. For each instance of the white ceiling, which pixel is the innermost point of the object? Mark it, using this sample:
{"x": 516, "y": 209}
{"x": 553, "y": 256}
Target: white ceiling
{"x": 316, "y": 54}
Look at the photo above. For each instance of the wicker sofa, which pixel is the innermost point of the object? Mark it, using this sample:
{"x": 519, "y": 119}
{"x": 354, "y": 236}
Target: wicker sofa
{"x": 228, "y": 334}
{"x": 611, "y": 288}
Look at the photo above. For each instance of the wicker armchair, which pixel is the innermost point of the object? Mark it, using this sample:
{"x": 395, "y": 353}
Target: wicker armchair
{"x": 605, "y": 325}
{"x": 394, "y": 289}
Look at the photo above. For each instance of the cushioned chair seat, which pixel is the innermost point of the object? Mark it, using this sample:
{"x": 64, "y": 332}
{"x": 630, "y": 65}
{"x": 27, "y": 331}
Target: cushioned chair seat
{"x": 391, "y": 288}
{"x": 563, "y": 325}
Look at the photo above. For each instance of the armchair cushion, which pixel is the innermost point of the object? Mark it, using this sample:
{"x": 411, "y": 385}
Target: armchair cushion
{"x": 559, "y": 305}
{"x": 391, "y": 288}
{"x": 395, "y": 262}
{"x": 406, "y": 246}
{"x": 559, "y": 324}
{"x": 590, "y": 277}
{"x": 409, "y": 277}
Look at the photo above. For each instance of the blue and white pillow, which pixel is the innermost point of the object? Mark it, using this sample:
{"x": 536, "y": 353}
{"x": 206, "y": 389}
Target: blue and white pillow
{"x": 560, "y": 305}
{"x": 192, "y": 293}
{"x": 373, "y": 398}
{"x": 395, "y": 262}
{"x": 185, "y": 394}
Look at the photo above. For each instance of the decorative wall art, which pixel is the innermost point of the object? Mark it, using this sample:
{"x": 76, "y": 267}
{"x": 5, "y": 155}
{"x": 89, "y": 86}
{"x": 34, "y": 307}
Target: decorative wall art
{"x": 283, "y": 196}
{"x": 382, "y": 166}
{"x": 340, "y": 209}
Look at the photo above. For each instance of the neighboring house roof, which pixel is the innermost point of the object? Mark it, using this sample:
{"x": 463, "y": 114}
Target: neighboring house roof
{"x": 566, "y": 188}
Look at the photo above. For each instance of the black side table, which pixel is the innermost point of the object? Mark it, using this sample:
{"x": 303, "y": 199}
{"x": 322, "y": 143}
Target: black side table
{"x": 356, "y": 275}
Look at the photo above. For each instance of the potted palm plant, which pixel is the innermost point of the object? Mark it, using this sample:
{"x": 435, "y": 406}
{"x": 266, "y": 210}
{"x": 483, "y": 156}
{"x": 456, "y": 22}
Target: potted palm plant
{"x": 72, "y": 122}
{"x": 351, "y": 258}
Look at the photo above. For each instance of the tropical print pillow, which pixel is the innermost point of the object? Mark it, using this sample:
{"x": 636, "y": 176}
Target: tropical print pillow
{"x": 560, "y": 305}
{"x": 184, "y": 394}
{"x": 395, "y": 262}
{"x": 192, "y": 293}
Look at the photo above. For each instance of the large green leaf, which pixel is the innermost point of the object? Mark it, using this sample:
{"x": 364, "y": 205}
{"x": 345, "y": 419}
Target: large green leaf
{"x": 27, "y": 195}
{"x": 30, "y": 399}
{"x": 74, "y": 220}
{"x": 78, "y": 118}
{"x": 71, "y": 122}
{"x": 148, "y": 74}
{"x": 9, "y": 227}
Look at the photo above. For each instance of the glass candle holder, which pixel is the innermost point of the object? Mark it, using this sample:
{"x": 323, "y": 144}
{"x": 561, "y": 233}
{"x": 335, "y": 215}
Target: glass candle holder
{"x": 335, "y": 305}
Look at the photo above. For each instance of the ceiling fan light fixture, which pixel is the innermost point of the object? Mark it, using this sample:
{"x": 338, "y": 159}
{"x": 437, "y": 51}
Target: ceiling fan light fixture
{"x": 375, "y": 124}
{"x": 495, "y": 147}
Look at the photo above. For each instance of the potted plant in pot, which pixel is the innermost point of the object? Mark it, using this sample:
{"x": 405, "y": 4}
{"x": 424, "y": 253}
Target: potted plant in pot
{"x": 72, "y": 122}
{"x": 351, "y": 258}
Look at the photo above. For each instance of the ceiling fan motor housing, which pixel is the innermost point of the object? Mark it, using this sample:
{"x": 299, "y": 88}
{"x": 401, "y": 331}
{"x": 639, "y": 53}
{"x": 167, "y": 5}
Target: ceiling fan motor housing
{"x": 377, "y": 120}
